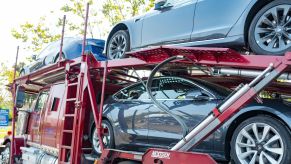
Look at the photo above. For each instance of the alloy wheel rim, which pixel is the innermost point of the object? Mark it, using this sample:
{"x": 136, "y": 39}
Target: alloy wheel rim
{"x": 273, "y": 29}
{"x": 117, "y": 47}
{"x": 259, "y": 143}
{"x": 106, "y": 139}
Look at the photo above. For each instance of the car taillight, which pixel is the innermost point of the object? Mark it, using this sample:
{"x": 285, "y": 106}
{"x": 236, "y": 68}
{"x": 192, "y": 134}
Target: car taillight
{"x": 9, "y": 133}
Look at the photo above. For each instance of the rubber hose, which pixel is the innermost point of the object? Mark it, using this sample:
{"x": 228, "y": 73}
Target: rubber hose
{"x": 159, "y": 105}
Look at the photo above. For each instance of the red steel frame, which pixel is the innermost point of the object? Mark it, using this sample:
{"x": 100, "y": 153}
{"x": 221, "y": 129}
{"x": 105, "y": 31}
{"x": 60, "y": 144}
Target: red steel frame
{"x": 223, "y": 57}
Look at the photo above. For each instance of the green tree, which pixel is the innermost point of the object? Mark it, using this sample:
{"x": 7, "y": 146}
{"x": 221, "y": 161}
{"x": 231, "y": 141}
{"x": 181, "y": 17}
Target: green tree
{"x": 35, "y": 35}
{"x": 117, "y": 10}
{"x": 6, "y": 77}
{"x": 76, "y": 10}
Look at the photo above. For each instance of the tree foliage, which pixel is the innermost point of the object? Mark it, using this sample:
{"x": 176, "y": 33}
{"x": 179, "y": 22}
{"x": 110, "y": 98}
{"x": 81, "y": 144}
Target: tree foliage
{"x": 36, "y": 35}
{"x": 76, "y": 10}
{"x": 6, "y": 77}
{"x": 117, "y": 10}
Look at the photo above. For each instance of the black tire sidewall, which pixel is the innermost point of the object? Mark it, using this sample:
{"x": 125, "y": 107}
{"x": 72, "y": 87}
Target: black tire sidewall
{"x": 276, "y": 124}
{"x": 111, "y": 142}
{"x": 251, "y": 33}
{"x": 125, "y": 33}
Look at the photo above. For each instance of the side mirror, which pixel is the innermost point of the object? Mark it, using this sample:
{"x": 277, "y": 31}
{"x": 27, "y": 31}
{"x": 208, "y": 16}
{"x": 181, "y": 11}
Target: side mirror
{"x": 159, "y": 4}
{"x": 20, "y": 96}
{"x": 134, "y": 94}
{"x": 34, "y": 57}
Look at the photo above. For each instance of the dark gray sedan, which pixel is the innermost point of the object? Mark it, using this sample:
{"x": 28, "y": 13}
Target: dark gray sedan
{"x": 260, "y": 26}
{"x": 259, "y": 133}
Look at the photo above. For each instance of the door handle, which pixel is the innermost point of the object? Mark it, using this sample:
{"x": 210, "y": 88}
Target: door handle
{"x": 138, "y": 19}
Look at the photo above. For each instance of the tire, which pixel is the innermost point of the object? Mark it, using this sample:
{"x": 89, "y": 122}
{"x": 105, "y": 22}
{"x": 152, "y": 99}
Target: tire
{"x": 275, "y": 39}
{"x": 4, "y": 156}
{"x": 109, "y": 141}
{"x": 118, "y": 45}
{"x": 246, "y": 147}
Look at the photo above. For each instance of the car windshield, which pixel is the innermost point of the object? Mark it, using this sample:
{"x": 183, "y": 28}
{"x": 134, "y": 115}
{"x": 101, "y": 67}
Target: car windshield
{"x": 50, "y": 49}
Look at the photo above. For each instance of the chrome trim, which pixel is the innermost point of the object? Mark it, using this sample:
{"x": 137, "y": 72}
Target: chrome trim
{"x": 48, "y": 149}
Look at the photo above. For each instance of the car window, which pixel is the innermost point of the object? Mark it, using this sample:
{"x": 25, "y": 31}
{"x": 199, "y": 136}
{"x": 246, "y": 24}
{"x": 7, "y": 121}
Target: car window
{"x": 218, "y": 89}
{"x": 175, "y": 88}
{"x": 41, "y": 101}
{"x": 51, "y": 49}
{"x": 55, "y": 104}
{"x": 163, "y": 88}
{"x": 131, "y": 93}
{"x": 29, "y": 101}
{"x": 49, "y": 59}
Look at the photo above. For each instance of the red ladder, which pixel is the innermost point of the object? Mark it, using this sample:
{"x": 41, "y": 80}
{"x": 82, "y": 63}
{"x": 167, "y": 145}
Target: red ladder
{"x": 77, "y": 104}
{"x": 72, "y": 114}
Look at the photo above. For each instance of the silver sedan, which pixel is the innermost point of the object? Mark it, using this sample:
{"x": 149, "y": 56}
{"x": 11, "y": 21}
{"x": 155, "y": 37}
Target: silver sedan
{"x": 259, "y": 26}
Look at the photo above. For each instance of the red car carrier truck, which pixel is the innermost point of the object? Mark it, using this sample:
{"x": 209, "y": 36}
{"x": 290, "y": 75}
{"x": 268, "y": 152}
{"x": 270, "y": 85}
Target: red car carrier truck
{"x": 56, "y": 128}
{"x": 58, "y": 105}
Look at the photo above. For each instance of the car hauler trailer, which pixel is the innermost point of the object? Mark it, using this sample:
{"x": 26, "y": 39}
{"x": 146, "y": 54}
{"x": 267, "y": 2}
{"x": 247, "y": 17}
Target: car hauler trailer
{"x": 87, "y": 81}
{"x": 85, "y": 76}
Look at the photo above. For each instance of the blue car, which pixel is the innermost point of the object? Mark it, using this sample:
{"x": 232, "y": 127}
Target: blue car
{"x": 72, "y": 48}
{"x": 259, "y": 26}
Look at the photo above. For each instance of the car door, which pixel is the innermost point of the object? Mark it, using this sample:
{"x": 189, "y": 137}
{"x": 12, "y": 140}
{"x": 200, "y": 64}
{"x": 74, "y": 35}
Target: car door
{"x": 180, "y": 96}
{"x": 169, "y": 24}
{"x": 131, "y": 115}
{"x": 51, "y": 120}
{"x": 215, "y": 18}
{"x": 37, "y": 116}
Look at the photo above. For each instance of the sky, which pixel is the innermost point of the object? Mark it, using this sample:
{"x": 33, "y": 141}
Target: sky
{"x": 16, "y": 12}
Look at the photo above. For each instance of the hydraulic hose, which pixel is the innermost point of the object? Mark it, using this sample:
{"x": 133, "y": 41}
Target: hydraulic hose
{"x": 159, "y": 105}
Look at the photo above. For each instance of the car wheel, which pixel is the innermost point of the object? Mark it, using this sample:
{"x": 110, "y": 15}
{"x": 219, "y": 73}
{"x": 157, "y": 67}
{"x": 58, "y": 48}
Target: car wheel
{"x": 118, "y": 45}
{"x": 261, "y": 140}
{"x": 270, "y": 30}
{"x": 5, "y": 154}
{"x": 108, "y": 139}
